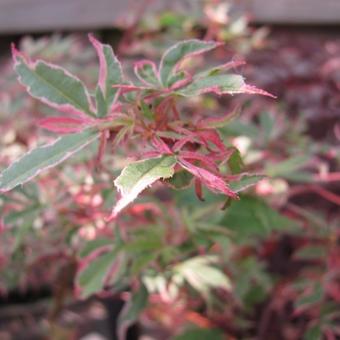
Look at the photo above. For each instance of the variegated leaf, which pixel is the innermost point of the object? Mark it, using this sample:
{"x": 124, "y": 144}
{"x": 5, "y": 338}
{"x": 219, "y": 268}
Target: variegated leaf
{"x": 52, "y": 85}
{"x": 178, "y": 52}
{"x": 110, "y": 71}
{"x": 200, "y": 273}
{"x": 44, "y": 157}
{"x": 139, "y": 175}
{"x": 219, "y": 84}
{"x": 64, "y": 125}
{"x": 147, "y": 73}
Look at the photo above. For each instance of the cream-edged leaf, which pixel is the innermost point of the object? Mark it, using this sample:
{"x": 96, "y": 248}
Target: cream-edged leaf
{"x": 139, "y": 175}
{"x": 52, "y": 85}
{"x": 44, "y": 157}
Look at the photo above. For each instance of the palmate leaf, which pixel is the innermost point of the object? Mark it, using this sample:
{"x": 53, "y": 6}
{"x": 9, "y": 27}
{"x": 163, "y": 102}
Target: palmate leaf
{"x": 178, "y": 52}
{"x": 52, "y": 85}
{"x": 139, "y": 175}
{"x": 44, "y": 157}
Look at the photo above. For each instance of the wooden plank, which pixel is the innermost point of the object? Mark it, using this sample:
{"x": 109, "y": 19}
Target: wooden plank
{"x": 24, "y": 16}
{"x": 21, "y": 16}
{"x": 295, "y": 11}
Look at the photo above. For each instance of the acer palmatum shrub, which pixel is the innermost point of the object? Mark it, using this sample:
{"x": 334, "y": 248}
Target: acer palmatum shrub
{"x": 160, "y": 246}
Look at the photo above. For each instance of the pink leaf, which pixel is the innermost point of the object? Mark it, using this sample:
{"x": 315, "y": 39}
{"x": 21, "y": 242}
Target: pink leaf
{"x": 161, "y": 147}
{"x": 229, "y": 65}
{"x": 254, "y": 90}
{"x": 222, "y": 68}
{"x": 129, "y": 88}
{"x": 64, "y": 125}
{"x": 214, "y": 182}
{"x": 110, "y": 70}
{"x": 211, "y": 136}
{"x": 2, "y": 226}
{"x": 182, "y": 82}
{"x": 199, "y": 157}
{"x": 218, "y": 122}
{"x": 180, "y": 143}
{"x": 202, "y": 137}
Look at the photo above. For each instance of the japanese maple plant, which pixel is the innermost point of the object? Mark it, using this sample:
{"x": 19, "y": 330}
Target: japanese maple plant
{"x": 146, "y": 116}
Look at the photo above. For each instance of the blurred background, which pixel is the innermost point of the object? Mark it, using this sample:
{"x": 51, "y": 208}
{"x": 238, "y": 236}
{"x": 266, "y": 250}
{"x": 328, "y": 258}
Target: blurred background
{"x": 286, "y": 265}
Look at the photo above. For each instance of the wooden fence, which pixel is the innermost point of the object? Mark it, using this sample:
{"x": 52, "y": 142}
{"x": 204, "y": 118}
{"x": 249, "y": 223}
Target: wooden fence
{"x": 21, "y": 16}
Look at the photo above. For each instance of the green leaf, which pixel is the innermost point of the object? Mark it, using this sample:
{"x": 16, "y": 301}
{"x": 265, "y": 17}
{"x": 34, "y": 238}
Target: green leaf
{"x": 52, "y": 85}
{"x": 313, "y": 333}
{"x": 235, "y": 162}
{"x": 252, "y": 282}
{"x": 146, "y": 72}
{"x": 145, "y": 241}
{"x": 91, "y": 279}
{"x": 139, "y": 175}
{"x": 245, "y": 182}
{"x": 267, "y": 123}
{"x": 101, "y": 103}
{"x": 92, "y": 245}
{"x": 176, "y": 78}
{"x": 141, "y": 261}
{"x": 251, "y": 216}
{"x": 131, "y": 311}
{"x": 176, "y": 53}
{"x": 20, "y": 234}
{"x": 44, "y": 157}
{"x": 180, "y": 180}
{"x": 201, "y": 275}
{"x": 311, "y": 252}
{"x": 18, "y": 217}
{"x": 147, "y": 111}
{"x": 171, "y": 19}
{"x": 201, "y": 334}
{"x": 316, "y": 296}
{"x": 238, "y": 128}
{"x": 285, "y": 168}
{"x": 219, "y": 84}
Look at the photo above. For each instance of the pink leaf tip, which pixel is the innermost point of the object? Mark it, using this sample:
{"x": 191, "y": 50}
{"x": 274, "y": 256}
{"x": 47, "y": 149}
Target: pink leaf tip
{"x": 254, "y": 90}
{"x": 94, "y": 41}
{"x": 15, "y": 52}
